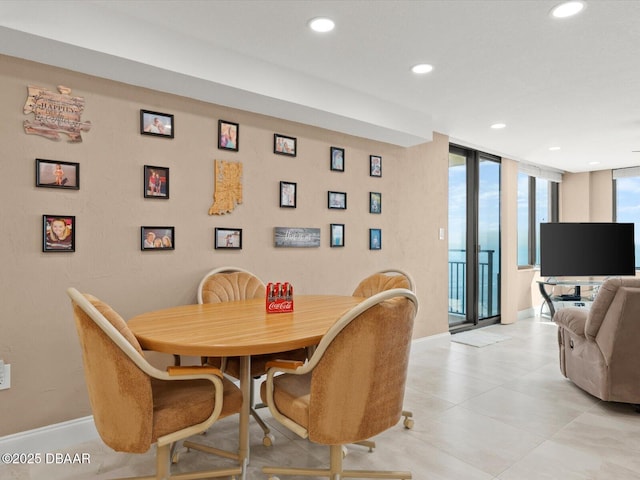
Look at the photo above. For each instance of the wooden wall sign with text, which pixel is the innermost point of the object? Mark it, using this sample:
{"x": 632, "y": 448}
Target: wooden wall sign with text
{"x": 55, "y": 113}
{"x": 296, "y": 237}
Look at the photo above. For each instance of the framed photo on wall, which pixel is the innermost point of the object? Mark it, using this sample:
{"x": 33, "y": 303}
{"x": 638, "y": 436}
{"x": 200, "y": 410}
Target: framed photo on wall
{"x": 228, "y": 238}
{"x": 337, "y": 235}
{"x": 156, "y": 124}
{"x": 55, "y": 174}
{"x": 375, "y": 165}
{"x": 338, "y": 200}
{"x": 283, "y": 145}
{"x": 375, "y": 202}
{"x": 58, "y": 233}
{"x": 337, "y": 159}
{"x": 375, "y": 239}
{"x": 288, "y": 194}
{"x": 157, "y": 238}
{"x": 156, "y": 182}
{"x": 228, "y": 135}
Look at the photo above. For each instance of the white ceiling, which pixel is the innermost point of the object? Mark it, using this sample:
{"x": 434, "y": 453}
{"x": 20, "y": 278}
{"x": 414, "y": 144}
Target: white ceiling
{"x": 572, "y": 83}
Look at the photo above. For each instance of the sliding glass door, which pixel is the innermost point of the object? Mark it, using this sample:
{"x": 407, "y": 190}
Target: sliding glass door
{"x": 474, "y": 238}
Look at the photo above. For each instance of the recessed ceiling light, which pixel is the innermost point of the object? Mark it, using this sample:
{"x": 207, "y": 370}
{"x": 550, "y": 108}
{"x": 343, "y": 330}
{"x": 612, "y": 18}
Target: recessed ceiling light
{"x": 422, "y": 68}
{"x": 321, "y": 24}
{"x": 594, "y": 163}
{"x": 567, "y": 9}
{"x": 498, "y": 126}
{"x": 554, "y": 149}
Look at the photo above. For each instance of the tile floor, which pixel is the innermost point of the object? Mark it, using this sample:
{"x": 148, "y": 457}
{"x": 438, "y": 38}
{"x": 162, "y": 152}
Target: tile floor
{"x": 502, "y": 411}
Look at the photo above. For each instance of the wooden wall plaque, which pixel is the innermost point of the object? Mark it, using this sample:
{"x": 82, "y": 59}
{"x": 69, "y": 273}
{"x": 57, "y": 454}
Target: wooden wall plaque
{"x": 55, "y": 114}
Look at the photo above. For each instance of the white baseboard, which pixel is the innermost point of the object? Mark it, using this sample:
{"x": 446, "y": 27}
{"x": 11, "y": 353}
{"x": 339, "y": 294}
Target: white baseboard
{"x": 50, "y": 438}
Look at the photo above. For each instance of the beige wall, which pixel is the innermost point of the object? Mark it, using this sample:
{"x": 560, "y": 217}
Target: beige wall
{"x": 36, "y": 330}
{"x": 509, "y": 241}
{"x": 586, "y": 197}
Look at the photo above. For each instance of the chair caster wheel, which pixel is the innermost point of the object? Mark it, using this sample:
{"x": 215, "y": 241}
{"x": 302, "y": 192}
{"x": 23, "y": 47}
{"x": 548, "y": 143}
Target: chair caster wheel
{"x": 345, "y": 451}
{"x": 268, "y": 440}
{"x": 408, "y": 423}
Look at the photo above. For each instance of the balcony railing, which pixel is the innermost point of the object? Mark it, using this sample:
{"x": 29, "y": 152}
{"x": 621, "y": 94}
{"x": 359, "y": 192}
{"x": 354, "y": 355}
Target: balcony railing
{"x": 458, "y": 282}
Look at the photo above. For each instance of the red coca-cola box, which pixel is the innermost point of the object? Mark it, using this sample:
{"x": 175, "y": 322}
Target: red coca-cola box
{"x": 279, "y": 297}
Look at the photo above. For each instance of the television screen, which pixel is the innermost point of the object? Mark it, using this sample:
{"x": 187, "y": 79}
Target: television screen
{"x": 586, "y": 249}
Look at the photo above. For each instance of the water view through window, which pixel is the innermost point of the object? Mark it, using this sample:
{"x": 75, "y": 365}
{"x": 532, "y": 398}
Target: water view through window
{"x": 485, "y": 269}
{"x": 628, "y": 206}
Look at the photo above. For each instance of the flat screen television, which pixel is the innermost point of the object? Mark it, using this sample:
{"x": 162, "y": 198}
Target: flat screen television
{"x": 586, "y": 249}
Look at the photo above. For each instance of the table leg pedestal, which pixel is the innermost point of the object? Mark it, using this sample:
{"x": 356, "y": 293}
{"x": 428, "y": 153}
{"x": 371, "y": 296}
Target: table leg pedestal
{"x": 245, "y": 411}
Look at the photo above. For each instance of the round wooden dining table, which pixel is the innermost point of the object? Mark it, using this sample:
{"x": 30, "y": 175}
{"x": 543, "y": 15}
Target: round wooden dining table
{"x": 239, "y": 328}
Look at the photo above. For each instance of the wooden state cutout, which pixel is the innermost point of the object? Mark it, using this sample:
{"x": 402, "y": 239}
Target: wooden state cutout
{"x": 227, "y": 180}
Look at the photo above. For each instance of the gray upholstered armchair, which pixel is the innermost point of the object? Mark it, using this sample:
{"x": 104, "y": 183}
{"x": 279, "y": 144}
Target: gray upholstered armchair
{"x": 600, "y": 349}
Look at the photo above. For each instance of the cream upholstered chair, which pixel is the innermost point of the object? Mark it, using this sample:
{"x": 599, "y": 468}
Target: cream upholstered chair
{"x": 226, "y": 284}
{"x": 600, "y": 348}
{"x": 376, "y": 283}
{"x": 134, "y": 404}
{"x": 352, "y": 387}
{"x": 384, "y": 280}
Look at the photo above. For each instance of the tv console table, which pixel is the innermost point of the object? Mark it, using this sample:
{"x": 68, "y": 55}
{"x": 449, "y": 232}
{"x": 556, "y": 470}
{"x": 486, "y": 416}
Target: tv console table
{"x": 575, "y": 300}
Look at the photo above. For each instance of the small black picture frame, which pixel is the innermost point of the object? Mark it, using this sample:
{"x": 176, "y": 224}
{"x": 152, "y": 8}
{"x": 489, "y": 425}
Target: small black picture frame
{"x": 58, "y": 233}
{"x": 375, "y": 165}
{"x": 283, "y": 145}
{"x": 157, "y": 238}
{"x": 228, "y": 135}
{"x": 288, "y": 194}
{"x": 56, "y": 174}
{"x": 375, "y": 202}
{"x": 337, "y": 159}
{"x": 337, "y": 235}
{"x": 156, "y": 124}
{"x": 337, "y": 200}
{"x": 228, "y": 238}
{"x": 375, "y": 239}
{"x": 156, "y": 182}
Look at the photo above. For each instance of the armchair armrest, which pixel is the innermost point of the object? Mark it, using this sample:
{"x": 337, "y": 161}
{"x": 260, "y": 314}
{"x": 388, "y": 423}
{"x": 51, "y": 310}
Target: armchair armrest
{"x": 177, "y": 370}
{"x": 295, "y": 367}
{"x": 284, "y": 364}
{"x": 572, "y": 319}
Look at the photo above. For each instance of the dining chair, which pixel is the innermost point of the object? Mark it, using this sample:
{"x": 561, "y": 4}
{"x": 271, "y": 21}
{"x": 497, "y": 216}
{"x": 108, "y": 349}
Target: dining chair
{"x": 378, "y": 282}
{"x": 225, "y": 284}
{"x": 134, "y": 404}
{"x": 352, "y": 387}
{"x": 384, "y": 280}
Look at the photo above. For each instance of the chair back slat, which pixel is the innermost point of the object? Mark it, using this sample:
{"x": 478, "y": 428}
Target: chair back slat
{"x": 384, "y": 280}
{"x": 229, "y": 284}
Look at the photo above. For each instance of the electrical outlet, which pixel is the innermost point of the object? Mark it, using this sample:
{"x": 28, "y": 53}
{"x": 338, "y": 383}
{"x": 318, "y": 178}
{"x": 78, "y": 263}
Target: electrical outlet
{"x": 5, "y": 376}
